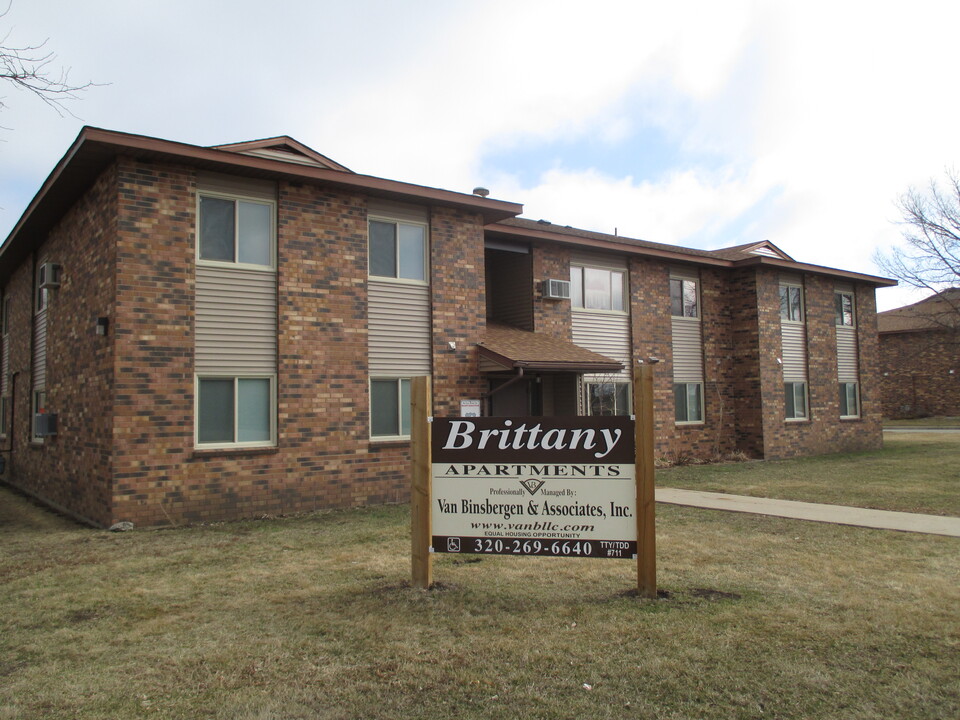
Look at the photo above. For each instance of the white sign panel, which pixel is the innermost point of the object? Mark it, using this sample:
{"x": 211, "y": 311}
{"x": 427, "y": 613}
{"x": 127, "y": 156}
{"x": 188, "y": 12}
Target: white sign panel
{"x": 534, "y": 486}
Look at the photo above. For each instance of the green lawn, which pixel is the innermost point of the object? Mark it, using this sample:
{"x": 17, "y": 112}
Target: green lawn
{"x": 930, "y": 422}
{"x": 914, "y": 472}
{"x": 312, "y": 617}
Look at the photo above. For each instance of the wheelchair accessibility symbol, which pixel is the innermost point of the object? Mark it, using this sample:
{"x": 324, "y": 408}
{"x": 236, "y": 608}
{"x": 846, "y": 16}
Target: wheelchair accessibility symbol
{"x": 453, "y": 544}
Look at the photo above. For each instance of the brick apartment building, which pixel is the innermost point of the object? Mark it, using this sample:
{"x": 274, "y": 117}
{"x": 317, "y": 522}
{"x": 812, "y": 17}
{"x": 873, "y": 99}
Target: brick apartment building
{"x": 920, "y": 357}
{"x": 200, "y": 333}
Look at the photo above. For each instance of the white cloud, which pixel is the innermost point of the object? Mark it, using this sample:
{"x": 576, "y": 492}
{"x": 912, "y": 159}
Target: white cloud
{"x": 796, "y": 122}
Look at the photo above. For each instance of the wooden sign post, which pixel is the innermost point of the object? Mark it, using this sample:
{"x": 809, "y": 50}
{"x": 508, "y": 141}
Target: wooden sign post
{"x": 421, "y": 449}
{"x": 646, "y": 516}
{"x": 539, "y": 486}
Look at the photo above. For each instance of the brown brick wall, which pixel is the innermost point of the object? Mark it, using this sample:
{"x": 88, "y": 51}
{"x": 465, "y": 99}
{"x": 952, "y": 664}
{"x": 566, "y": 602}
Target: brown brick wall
{"x": 459, "y": 307}
{"x": 552, "y": 317}
{"x": 324, "y": 457}
{"x": 916, "y": 378}
{"x": 72, "y": 469}
{"x": 126, "y": 401}
{"x": 824, "y": 431}
{"x": 746, "y": 386}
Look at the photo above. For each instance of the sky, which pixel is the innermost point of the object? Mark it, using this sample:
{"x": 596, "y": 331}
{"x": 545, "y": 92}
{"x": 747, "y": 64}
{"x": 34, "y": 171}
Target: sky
{"x": 702, "y": 124}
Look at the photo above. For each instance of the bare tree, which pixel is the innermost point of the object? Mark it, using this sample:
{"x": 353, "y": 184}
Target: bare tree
{"x": 31, "y": 68}
{"x": 930, "y": 259}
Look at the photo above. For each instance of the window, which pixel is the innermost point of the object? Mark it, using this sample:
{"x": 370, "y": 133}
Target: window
{"x": 390, "y": 407}
{"x": 596, "y": 288}
{"x": 235, "y": 230}
{"x": 688, "y": 402}
{"x": 608, "y": 398}
{"x": 795, "y": 400}
{"x": 235, "y": 411}
{"x": 849, "y": 400}
{"x": 791, "y": 303}
{"x": 843, "y": 308}
{"x": 398, "y": 250}
{"x": 683, "y": 298}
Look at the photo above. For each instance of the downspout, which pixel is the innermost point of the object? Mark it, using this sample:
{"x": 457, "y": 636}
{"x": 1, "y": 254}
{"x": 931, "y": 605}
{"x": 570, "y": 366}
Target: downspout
{"x": 508, "y": 383}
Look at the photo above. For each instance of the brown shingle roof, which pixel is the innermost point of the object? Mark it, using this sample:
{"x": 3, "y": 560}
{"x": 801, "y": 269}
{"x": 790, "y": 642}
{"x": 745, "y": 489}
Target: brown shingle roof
{"x": 937, "y": 312}
{"x": 512, "y": 347}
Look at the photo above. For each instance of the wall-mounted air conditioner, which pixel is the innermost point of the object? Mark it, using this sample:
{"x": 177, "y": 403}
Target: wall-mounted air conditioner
{"x": 49, "y": 275}
{"x": 44, "y": 424}
{"x": 556, "y": 289}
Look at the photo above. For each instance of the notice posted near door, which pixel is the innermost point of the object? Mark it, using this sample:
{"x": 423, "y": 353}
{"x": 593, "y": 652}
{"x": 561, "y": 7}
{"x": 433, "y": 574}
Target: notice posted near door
{"x": 555, "y": 487}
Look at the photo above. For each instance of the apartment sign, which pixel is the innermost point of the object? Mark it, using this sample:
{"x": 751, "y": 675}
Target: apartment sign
{"x": 561, "y": 487}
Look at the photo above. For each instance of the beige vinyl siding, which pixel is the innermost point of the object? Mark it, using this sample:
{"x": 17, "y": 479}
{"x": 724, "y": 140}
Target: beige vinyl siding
{"x": 404, "y": 212}
{"x": 236, "y": 320}
{"x": 687, "y": 351}
{"x": 398, "y": 330}
{"x": 794, "y": 355}
{"x": 682, "y": 272}
{"x": 40, "y": 350}
{"x": 847, "y": 355}
{"x": 232, "y": 185}
{"x": 595, "y": 260}
{"x": 606, "y": 333}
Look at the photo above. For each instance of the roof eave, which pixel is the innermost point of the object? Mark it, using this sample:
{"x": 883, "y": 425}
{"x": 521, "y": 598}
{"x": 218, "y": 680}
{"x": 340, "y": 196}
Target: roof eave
{"x": 815, "y": 269}
{"x": 624, "y": 248}
{"x": 94, "y": 149}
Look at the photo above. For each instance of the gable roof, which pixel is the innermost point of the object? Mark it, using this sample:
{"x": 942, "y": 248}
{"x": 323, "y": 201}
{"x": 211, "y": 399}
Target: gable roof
{"x": 515, "y": 348}
{"x": 275, "y": 158}
{"x": 937, "y": 312}
{"x": 764, "y": 248}
{"x": 283, "y": 147}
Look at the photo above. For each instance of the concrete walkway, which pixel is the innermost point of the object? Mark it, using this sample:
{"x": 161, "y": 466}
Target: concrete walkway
{"x": 837, "y": 514}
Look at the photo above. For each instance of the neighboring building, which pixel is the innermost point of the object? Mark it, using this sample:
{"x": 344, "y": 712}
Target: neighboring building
{"x": 920, "y": 357}
{"x": 196, "y": 333}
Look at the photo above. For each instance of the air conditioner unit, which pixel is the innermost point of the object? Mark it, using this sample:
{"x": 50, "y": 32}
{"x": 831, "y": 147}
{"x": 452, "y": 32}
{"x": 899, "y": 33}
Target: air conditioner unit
{"x": 556, "y": 289}
{"x": 44, "y": 424}
{"x": 49, "y": 276}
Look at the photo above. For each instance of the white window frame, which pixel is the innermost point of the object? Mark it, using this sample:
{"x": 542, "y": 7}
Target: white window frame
{"x": 845, "y": 388}
{"x": 271, "y": 442}
{"x": 838, "y": 309}
{"x": 398, "y": 380}
{"x": 238, "y": 198}
{"x": 619, "y": 412}
{"x": 676, "y": 410}
{"x": 683, "y": 281}
{"x": 426, "y": 249}
{"x": 578, "y": 289}
{"x": 801, "y": 312}
{"x": 804, "y": 393}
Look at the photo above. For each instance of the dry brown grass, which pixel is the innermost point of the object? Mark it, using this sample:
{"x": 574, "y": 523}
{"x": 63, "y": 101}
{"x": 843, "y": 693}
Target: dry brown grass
{"x": 312, "y": 617}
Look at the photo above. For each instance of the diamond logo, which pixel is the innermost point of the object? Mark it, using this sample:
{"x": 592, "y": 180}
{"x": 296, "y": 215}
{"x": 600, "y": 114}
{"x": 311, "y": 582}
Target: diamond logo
{"x": 532, "y": 485}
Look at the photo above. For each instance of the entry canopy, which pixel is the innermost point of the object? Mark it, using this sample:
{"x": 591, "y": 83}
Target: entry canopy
{"x": 505, "y": 347}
